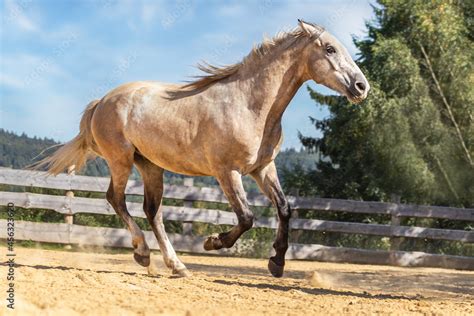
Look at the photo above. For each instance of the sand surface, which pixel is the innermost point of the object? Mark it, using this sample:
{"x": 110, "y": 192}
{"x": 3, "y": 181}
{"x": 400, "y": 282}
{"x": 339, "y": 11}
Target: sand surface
{"x": 79, "y": 283}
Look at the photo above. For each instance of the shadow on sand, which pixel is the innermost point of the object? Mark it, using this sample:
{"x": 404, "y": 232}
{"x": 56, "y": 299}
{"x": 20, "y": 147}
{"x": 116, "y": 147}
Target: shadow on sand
{"x": 317, "y": 291}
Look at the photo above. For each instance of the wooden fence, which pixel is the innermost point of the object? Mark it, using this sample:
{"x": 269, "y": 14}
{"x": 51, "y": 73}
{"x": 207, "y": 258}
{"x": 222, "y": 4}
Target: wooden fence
{"x": 69, "y": 233}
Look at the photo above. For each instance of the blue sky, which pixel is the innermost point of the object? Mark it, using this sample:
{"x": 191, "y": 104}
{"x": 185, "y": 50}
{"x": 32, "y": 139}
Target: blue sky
{"x": 57, "y": 55}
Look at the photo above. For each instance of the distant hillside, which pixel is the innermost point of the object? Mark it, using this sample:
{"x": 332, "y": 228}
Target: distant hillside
{"x": 288, "y": 158}
{"x": 19, "y": 151}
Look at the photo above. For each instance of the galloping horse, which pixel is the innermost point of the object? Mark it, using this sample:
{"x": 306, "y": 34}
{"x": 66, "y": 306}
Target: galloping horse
{"x": 225, "y": 124}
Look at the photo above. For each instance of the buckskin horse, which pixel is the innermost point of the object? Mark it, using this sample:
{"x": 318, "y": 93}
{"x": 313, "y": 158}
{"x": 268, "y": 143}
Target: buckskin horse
{"x": 225, "y": 124}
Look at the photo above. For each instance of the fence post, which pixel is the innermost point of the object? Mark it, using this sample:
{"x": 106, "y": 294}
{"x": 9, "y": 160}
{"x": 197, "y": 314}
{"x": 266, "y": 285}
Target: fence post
{"x": 188, "y": 226}
{"x": 395, "y": 220}
{"x": 69, "y": 218}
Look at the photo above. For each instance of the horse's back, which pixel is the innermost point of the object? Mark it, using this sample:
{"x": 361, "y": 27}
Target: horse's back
{"x": 133, "y": 96}
{"x": 127, "y": 90}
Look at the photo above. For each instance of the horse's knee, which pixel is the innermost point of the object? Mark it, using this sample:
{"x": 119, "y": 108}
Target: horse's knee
{"x": 109, "y": 196}
{"x": 284, "y": 211}
{"x": 246, "y": 221}
{"x": 150, "y": 207}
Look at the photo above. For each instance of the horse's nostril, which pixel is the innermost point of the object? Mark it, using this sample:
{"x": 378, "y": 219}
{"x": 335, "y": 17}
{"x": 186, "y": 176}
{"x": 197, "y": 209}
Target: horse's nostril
{"x": 360, "y": 86}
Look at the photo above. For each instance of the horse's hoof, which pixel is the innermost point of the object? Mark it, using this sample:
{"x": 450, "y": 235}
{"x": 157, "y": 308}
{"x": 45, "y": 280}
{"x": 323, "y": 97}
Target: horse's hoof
{"x": 182, "y": 273}
{"x": 213, "y": 243}
{"x": 142, "y": 260}
{"x": 275, "y": 269}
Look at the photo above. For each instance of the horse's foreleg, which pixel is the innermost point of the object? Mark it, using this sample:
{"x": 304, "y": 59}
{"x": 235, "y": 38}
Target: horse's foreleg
{"x": 267, "y": 180}
{"x": 152, "y": 176}
{"x": 231, "y": 184}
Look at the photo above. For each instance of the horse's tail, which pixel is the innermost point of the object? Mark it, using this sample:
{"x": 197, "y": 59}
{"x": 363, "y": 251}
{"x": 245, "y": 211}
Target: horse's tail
{"x": 76, "y": 151}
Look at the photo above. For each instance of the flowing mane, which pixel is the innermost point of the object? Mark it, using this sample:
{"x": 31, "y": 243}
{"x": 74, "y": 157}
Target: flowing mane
{"x": 215, "y": 74}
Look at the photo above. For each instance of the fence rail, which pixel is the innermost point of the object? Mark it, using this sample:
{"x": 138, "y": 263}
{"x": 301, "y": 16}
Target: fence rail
{"x": 69, "y": 233}
{"x": 100, "y": 184}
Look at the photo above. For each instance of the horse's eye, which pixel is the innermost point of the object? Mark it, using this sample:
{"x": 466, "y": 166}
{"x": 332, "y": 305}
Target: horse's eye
{"x": 330, "y": 49}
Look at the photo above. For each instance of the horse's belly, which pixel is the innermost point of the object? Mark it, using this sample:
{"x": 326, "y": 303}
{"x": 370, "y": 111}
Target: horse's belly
{"x": 170, "y": 147}
{"x": 179, "y": 163}
{"x": 172, "y": 155}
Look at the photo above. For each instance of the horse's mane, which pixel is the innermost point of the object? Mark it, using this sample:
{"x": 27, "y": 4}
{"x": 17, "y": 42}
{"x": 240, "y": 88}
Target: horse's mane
{"x": 215, "y": 74}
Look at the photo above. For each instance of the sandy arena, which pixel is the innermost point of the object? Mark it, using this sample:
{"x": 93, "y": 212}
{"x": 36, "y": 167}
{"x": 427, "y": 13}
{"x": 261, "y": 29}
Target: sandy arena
{"x": 78, "y": 283}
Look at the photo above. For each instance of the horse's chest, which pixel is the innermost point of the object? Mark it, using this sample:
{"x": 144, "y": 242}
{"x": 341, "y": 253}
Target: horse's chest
{"x": 264, "y": 153}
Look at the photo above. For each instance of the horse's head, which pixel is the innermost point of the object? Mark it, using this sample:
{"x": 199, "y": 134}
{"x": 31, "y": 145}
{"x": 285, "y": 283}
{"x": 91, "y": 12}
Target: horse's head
{"x": 329, "y": 63}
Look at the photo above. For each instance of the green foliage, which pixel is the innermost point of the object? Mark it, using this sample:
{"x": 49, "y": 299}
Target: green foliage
{"x": 21, "y": 214}
{"x": 19, "y": 151}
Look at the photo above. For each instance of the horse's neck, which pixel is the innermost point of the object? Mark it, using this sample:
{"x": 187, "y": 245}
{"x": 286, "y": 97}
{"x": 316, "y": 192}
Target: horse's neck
{"x": 273, "y": 82}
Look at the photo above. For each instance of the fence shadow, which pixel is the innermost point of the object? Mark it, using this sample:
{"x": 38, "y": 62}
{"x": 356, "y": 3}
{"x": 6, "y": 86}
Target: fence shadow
{"x": 239, "y": 270}
{"x": 317, "y": 291}
{"x": 64, "y": 268}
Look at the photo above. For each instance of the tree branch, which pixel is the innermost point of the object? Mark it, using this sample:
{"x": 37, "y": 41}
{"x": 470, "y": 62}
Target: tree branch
{"x": 448, "y": 107}
{"x": 446, "y": 178}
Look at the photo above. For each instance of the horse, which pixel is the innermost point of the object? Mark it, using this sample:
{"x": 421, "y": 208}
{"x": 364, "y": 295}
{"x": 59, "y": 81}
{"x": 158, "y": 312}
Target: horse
{"x": 225, "y": 124}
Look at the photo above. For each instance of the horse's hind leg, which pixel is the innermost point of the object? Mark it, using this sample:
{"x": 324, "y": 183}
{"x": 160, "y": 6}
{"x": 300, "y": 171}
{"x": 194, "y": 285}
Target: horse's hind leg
{"x": 120, "y": 162}
{"x": 231, "y": 184}
{"x": 152, "y": 176}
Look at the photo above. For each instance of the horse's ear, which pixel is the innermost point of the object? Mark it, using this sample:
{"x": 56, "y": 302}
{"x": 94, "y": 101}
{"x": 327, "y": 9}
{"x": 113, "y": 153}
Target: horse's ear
{"x": 311, "y": 29}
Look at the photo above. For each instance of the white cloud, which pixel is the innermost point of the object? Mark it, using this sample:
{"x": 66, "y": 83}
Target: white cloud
{"x": 230, "y": 10}
{"x": 24, "y": 70}
{"x": 150, "y": 11}
{"x": 140, "y": 15}
{"x": 16, "y": 14}
{"x": 26, "y": 24}
{"x": 9, "y": 81}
